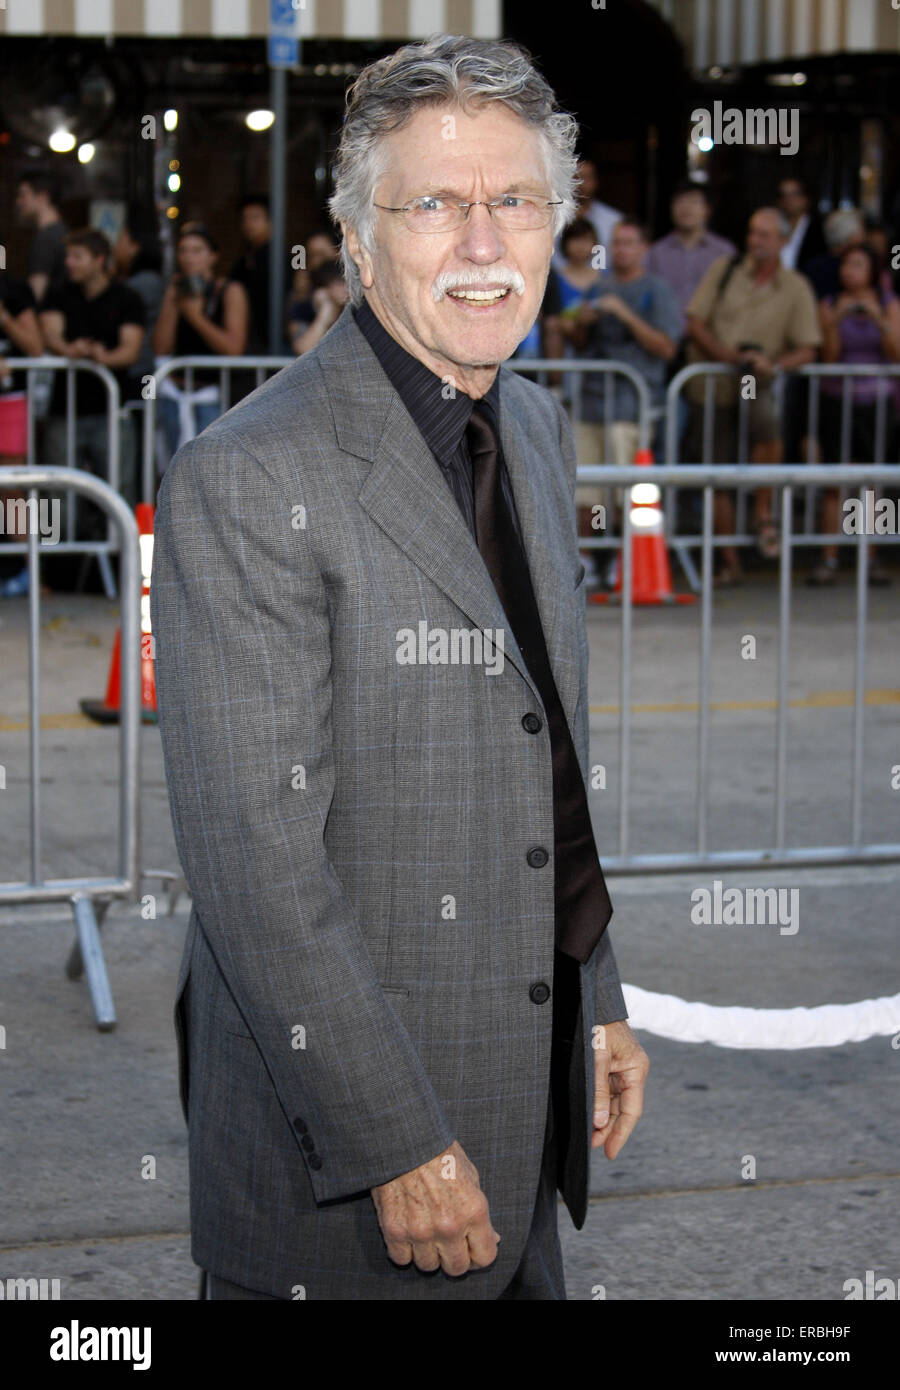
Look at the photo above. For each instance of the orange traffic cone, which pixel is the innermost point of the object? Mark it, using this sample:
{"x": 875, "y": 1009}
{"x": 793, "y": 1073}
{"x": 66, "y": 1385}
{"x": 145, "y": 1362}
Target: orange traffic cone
{"x": 107, "y": 711}
{"x": 651, "y": 577}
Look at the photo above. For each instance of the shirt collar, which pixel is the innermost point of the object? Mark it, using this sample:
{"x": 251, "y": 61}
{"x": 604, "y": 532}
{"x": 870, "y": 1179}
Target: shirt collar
{"x": 747, "y": 268}
{"x": 675, "y": 240}
{"x": 441, "y": 417}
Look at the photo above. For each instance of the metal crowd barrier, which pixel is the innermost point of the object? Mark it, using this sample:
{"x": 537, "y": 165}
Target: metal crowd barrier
{"x": 261, "y": 364}
{"x": 89, "y": 897}
{"x": 814, "y": 372}
{"x": 165, "y": 368}
{"x": 709, "y": 478}
{"x": 102, "y": 549}
{"x": 600, "y": 367}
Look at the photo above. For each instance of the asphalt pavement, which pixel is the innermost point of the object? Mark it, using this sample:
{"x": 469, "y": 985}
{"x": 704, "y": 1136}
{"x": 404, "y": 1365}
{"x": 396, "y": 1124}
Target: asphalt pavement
{"x": 753, "y": 1174}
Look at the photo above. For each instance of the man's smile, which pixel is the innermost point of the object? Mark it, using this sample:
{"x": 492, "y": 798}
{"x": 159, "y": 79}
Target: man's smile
{"x": 480, "y": 298}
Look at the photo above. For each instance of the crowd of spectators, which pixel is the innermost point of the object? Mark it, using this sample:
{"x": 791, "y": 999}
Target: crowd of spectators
{"x": 83, "y": 298}
{"x": 801, "y": 289}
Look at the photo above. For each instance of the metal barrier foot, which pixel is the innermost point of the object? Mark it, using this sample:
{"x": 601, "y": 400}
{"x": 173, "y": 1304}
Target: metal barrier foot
{"x": 75, "y": 964}
{"x": 106, "y": 574}
{"x": 90, "y": 958}
{"x": 177, "y": 884}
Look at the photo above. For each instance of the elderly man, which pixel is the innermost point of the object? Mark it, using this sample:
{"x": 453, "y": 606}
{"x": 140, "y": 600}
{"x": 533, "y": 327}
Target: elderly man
{"x": 761, "y": 319}
{"x": 400, "y": 1021}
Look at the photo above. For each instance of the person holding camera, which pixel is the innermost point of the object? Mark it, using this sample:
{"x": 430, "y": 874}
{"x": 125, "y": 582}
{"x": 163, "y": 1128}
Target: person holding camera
{"x": 329, "y": 296}
{"x": 761, "y": 318}
{"x": 202, "y": 315}
{"x": 861, "y": 323}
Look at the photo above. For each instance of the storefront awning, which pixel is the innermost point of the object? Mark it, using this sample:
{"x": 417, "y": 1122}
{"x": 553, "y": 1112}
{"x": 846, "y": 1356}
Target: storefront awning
{"x": 236, "y": 19}
{"x": 734, "y": 32}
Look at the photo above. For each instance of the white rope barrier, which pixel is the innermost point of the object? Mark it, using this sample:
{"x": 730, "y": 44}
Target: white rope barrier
{"x": 828, "y": 1025}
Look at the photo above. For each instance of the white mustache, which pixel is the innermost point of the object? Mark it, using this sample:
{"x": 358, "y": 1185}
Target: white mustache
{"x": 476, "y": 280}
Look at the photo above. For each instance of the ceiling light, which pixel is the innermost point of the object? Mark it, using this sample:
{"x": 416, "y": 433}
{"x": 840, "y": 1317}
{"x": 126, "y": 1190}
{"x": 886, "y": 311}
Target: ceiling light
{"x": 61, "y": 140}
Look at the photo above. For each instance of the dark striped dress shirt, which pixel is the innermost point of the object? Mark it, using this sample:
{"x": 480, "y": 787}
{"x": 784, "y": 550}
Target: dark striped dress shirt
{"x": 440, "y": 420}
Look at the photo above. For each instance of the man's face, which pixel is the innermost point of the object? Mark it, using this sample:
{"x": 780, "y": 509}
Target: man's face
{"x": 26, "y": 203}
{"x": 255, "y": 224}
{"x": 81, "y": 264}
{"x": 627, "y": 250}
{"x": 689, "y": 212}
{"x": 471, "y": 157}
{"x": 587, "y": 175}
{"x": 791, "y": 198}
{"x": 764, "y": 239}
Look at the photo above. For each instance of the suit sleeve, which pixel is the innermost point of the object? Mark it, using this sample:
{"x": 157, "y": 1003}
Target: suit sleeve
{"x": 243, "y": 667}
{"x": 609, "y": 1001}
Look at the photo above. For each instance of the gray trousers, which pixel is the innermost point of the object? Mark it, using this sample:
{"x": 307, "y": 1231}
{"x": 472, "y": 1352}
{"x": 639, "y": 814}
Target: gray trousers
{"x": 540, "y": 1271}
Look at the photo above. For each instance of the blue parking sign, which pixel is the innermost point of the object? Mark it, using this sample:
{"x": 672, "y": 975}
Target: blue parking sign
{"x": 281, "y": 14}
{"x": 282, "y": 51}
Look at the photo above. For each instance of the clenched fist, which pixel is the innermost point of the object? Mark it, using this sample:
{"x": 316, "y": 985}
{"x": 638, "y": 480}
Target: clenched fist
{"x": 437, "y": 1216}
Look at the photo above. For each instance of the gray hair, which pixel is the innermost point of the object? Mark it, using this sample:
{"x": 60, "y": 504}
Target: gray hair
{"x": 784, "y": 226}
{"x": 442, "y": 69}
{"x": 842, "y": 226}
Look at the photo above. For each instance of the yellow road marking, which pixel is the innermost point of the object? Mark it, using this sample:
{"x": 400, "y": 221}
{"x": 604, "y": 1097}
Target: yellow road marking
{"x": 48, "y": 721}
{"x": 820, "y": 699}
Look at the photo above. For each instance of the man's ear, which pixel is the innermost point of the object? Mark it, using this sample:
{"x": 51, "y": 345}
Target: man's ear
{"x": 360, "y": 255}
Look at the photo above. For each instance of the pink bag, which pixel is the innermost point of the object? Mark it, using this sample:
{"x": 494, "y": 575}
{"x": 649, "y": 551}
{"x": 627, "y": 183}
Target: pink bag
{"x": 14, "y": 424}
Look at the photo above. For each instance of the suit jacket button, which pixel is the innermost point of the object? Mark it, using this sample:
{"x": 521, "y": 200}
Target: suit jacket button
{"x": 532, "y": 723}
{"x": 537, "y": 857}
{"x": 308, "y": 1143}
{"x": 539, "y": 993}
{"x": 300, "y": 1125}
{"x": 314, "y": 1161}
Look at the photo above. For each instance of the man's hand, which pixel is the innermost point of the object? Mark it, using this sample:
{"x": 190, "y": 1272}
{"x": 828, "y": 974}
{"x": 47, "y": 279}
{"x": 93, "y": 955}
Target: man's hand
{"x": 760, "y": 364}
{"x": 97, "y": 351}
{"x": 620, "y": 1070}
{"x": 79, "y": 347}
{"x": 437, "y": 1215}
{"x": 612, "y": 304}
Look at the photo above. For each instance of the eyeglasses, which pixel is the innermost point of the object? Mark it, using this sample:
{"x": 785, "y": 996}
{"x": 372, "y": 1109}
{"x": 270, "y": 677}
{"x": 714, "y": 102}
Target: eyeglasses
{"x": 431, "y": 213}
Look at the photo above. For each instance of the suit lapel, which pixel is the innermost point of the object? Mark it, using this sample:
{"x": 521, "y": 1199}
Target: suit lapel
{"x": 552, "y": 588}
{"x": 406, "y": 494}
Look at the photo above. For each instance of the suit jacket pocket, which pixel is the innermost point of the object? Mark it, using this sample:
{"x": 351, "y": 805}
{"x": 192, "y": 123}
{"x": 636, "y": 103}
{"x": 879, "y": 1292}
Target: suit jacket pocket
{"x": 180, "y": 1010}
{"x": 181, "y": 1036}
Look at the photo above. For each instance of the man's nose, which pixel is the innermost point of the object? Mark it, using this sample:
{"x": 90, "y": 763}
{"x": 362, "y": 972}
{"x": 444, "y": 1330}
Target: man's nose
{"x": 480, "y": 238}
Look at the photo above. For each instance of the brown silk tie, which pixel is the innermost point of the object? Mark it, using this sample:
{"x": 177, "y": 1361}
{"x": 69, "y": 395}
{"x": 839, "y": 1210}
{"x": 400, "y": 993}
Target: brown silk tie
{"x": 583, "y": 908}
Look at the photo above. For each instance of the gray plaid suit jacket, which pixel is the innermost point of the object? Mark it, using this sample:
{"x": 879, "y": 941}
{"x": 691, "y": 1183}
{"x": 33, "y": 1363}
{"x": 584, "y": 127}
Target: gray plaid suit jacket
{"x": 365, "y": 926}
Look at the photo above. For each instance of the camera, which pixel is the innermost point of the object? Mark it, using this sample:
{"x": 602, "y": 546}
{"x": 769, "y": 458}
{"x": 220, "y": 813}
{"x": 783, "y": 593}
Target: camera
{"x": 186, "y": 285}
